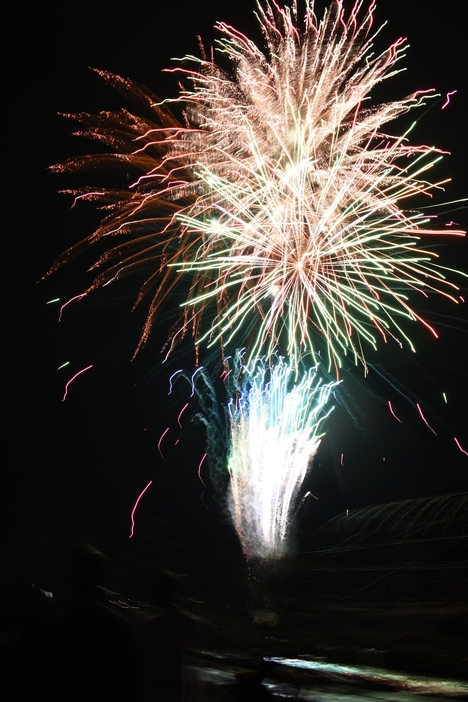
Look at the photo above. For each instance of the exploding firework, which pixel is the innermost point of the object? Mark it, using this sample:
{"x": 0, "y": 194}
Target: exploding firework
{"x": 276, "y": 427}
{"x": 278, "y": 207}
{"x": 280, "y": 199}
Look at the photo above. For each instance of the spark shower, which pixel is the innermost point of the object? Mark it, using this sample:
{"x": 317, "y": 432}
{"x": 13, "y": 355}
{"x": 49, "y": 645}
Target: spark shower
{"x": 294, "y": 226}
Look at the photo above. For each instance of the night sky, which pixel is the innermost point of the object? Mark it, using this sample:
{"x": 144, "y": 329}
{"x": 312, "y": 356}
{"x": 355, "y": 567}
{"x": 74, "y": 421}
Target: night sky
{"x": 80, "y": 464}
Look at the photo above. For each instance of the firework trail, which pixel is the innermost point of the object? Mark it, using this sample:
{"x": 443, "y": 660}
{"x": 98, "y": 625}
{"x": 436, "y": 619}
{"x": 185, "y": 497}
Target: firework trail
{"x": 280, "y": 199}
{"x": 276, "y": 429}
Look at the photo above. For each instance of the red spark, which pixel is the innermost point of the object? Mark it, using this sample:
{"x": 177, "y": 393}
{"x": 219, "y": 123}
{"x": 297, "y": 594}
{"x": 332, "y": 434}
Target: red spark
{"x": 77, "y": 297}
{"x": 391, "y": 410}
{"x": 199, "y": 469}
{"x": 135, "y": 506}
{"x": 159, "y": 442}
{"x": 447, "y": 99}
{"x": 425, "y": 420}
{"x": 461, "y": 449}
{"x": 180, "y": 414}
{"x": 72, "y": 379}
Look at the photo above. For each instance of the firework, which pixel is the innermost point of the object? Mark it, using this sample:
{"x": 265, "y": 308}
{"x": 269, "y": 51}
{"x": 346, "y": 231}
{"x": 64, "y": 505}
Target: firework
{"x": 279, "y": 215}
{"x": 280, "y": 199}
{"x": 263, "y": 429}
{"x": 276, "y": 427}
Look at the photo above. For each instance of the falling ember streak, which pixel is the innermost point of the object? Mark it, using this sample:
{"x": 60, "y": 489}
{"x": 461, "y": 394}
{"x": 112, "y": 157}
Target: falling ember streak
{"x": 342, "y": 459}
{"x": 170, "y": 380}
{"x": 135, "y": 506}
{"x": 425, "y": 420}
{"x": 180, "y": 414}
{"x": 461, "y": 449}
{"x": 393, "y": 413}
{"x": 447, "y": 100}
{"x": 159, "y": 442}
{"x": 199, "y": 470}
{"x": 77, "y": 297}
{"x": 225, "y": 375}
{"x": 72, "y": 379}
{"x": 193, "y": 380}
{"x": 445, "y": 397}
{"x": 56, "y": 299}
{"x": 67, "y": 363}
{"x": 203, "y": 501}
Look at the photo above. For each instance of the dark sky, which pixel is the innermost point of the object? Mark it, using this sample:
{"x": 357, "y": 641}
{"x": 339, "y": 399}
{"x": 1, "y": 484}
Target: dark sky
{"x": 85, "y": 460}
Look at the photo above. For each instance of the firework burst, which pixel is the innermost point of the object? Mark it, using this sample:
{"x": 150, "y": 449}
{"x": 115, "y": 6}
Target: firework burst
{"x": 276, "y": 427}
{"x": 279, "y": 198}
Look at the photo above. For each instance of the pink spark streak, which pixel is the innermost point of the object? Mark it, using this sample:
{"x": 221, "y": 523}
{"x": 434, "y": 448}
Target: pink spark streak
{"x": 199, "y": 469}
{"x": 135, "y": 506}
{"x": 180, "y": 414}
{"x": 391, "y": 410}
{"x": 461, "y": 449}
{"x": 423, "y": 92}
{"x": 72, "y": 379}
{"x": 159, "y": 442}
{"x": 425, "y": 420}
{"x": 77, "y": 297}
{"x": 447, "y": 99}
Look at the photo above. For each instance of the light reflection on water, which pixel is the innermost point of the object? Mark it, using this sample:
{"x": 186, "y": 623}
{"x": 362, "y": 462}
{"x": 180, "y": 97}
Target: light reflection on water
{"x": 412, "y": 684}
{"x": 331, "y": 682}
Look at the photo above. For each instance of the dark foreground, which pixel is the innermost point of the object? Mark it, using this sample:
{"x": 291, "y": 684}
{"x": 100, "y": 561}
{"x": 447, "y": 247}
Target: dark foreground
{"x": 348, "y": 620}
